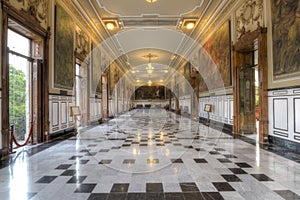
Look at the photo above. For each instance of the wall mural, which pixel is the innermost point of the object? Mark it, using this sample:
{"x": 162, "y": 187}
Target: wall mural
{"x": 150, "y": 92}
{"x": 35, "y": 8}
{"x": 64, "y": 50}
{"x": 82, "y": 42}
{"x": 114, "y": 76}
{"x": 218, "y": 46}
{"x": 95, "y": 70}
{"x": 286, "y": 36}
{"x": 249, "y": 17}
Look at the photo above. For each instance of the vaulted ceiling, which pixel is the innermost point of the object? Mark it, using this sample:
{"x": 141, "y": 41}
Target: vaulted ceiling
{"x": 157, "y": 28}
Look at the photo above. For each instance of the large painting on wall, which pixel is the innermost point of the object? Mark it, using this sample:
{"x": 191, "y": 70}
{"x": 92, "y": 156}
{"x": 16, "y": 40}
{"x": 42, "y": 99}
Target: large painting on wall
{"x": 64, "y": 49}
{"x": 218, "y": 46}
{"x": 150, "y": 92}
{"x": 286, "y": 36}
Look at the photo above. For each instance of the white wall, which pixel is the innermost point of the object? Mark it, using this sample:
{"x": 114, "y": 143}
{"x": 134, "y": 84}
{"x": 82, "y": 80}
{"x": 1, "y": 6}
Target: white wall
{"x": 222, "y": 108}
{"x": 284, "y": 114}
{"x": 153, "y": 103}
{"x": 59, "y": 112}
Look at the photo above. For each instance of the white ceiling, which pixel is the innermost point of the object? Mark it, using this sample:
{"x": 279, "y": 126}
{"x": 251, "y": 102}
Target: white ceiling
{"x": 149, "y": 28}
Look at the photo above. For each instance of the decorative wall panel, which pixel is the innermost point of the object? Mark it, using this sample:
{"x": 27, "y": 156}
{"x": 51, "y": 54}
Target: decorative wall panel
{"x": 280, "y": 114}
{"x": 95, "y": 109}
{"x": 59, "y": 112}
{"x": 222, "y": 108}
{"x": 64, "y": 50}
{"x": 284, "y": 114}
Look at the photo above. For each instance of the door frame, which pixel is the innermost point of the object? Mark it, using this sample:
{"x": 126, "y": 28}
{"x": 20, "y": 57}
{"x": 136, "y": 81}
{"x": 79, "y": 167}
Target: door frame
{"x": 248, "y": 42}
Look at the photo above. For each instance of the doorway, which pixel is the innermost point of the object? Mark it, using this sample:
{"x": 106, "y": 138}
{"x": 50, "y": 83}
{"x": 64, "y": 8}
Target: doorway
{"x": 249, "y": 96}
{"x": 20, "y": 85}
{"x": 250, "y": 83}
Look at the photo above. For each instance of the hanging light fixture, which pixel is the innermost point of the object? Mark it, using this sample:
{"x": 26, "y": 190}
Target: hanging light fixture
{"x": 149, "y": 67}
{"x": 149, "y": 83}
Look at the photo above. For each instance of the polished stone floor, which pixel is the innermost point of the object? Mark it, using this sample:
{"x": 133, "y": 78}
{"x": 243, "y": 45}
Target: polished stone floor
{"x": 149, "y": 154}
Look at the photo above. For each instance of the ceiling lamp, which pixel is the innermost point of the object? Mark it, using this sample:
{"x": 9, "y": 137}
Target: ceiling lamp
{"x": 190, "y": 25}
{"x": 151, "y": 1}
{"x": 110, "y": 26}
{"x": 149, "y": 83}
{"x": 149, "y": 67}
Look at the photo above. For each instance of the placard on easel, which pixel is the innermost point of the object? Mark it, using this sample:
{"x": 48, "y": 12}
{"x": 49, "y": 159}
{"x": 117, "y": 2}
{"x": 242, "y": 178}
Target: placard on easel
{"x": 207, "y": 108}
{"x": 74, "y": 112}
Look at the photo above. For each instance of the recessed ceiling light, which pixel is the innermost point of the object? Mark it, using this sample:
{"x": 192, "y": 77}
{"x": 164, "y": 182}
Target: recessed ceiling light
{"x": 151, "y": 1}
{"x": 110, "y": 25}
{"x": 190, "y": 25}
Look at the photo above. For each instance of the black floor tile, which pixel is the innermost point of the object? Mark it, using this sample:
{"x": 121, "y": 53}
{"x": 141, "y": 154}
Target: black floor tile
{"x": 92, "y": 145}
{"x": 98, "y": 196}
{"x": 174, "y": 196}
{"x": 63, "y": 166}
{"x": 214, "y": 153}
{"x": 105, "y": 161}
{"x": 224, "y": 160}
{"x": 129, "y": 161}
{"x": 31, "y": 194}
{"x": 152, "y": 161}
{"x": 154, "y": 188}
{"x": 46, "y": 179}
{"x": 229, "y": 156}
{"x": 262, "y": 177}
{"x": 231, "y": 178}
{"x": 179, "y": 160}
{"x": 189, "y": 187}
{"x": 200, "y": 149}
{"x": 243, "y": 165}
{"x": 90, "y": 153}
{"x": 69, "y": 172}
{"x": 104, "y": 150}
{"x": 120, "y": 187}
{"x": 116, "y": 148}
{"x": 200, "y": 160}
{"x": 237, "y": 171}
{"x": 77, "y": 179}
{"x": 219, "y": 149}
{"x": 212, "y": 196}
{"x": 223, "y": 186}
{"x": 287, "y": 194}
{"x": 83, "y": 161}
{"x": 75, "y": 157}
{"x": 84, "y": 150}
{"x": 193, "y": 196}
{"x": 85, "y": 188}
{"x": 155, "y": 196}
{"x": 135, "y": 196}
{"x": 117, "y": 196}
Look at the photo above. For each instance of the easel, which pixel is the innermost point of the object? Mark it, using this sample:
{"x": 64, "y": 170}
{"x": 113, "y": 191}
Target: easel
{"x": 207, "y": 108}
{"x": 74, "y": 112}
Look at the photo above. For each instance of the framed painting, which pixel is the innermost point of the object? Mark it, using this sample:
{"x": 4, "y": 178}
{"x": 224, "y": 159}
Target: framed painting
{"x": 64, "y": 49}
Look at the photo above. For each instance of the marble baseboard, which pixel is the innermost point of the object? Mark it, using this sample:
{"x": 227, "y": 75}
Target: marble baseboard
{"x": 292, "y": 146}
{"x": 225, "y": 128}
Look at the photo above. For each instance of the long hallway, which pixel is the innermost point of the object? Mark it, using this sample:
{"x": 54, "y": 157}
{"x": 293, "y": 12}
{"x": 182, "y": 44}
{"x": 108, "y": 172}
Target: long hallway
{"x": 150, "y": 154}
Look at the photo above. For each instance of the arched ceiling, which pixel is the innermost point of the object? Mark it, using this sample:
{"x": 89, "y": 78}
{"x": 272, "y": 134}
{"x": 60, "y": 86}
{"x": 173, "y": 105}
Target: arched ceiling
{"x": 144, "y": 21}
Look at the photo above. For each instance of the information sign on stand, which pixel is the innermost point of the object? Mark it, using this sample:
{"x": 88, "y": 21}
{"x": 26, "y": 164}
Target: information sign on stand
{"x": 207, "y": 108}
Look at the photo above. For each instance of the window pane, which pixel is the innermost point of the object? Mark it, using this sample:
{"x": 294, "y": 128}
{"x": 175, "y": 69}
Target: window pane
{"x": 18, "y": 43}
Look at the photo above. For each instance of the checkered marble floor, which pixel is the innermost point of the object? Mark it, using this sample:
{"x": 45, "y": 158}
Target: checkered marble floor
{"x": 150, "y": 154}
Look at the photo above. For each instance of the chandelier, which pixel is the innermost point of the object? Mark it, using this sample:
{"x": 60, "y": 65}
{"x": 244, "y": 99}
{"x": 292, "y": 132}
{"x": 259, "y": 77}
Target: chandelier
{"x": 149, "y": 67}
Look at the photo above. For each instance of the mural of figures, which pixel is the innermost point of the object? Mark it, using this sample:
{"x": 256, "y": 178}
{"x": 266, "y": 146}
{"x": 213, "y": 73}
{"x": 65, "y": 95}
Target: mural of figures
{"x": 286, "y": 36}
{"x": 64, "y": 50}
{"x": 218, "y": 46}
{"x": 150, "y": 92}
